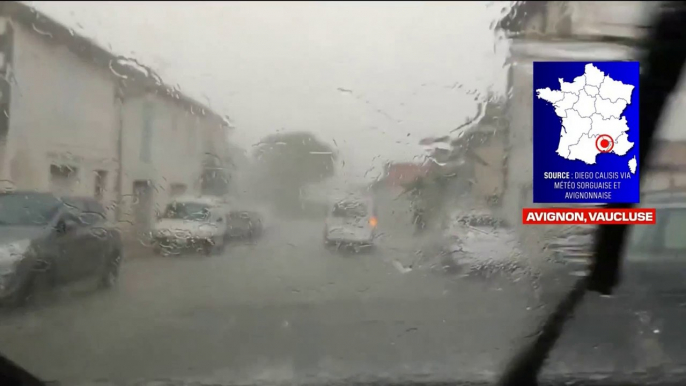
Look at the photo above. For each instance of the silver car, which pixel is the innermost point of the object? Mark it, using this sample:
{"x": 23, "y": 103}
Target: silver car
{"x": 351, "y": 222}
{"x": 190, "y": 223}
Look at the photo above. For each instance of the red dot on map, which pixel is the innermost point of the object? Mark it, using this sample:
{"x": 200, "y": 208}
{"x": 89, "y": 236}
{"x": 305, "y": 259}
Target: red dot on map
{"x": 604, "y": 143}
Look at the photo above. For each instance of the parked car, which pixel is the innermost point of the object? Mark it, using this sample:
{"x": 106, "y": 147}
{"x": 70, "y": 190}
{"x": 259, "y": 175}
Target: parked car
{"x": 573, "y": 246}
{"x": 48, "y": 242}
{"x": 244, "y": 224}
{"x": 652, "y": 290}
{"x": 191, "y": 223}
{"x": 476, "y": 242}
{"x": 351, "y": 222}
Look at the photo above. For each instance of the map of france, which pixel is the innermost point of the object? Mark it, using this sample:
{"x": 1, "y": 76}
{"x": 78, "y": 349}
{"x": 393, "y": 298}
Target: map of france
{"x": 591, "y": 111}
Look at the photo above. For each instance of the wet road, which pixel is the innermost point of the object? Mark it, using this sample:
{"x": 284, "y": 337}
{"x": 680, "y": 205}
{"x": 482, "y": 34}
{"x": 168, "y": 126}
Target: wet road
{"x": 280, "y": 309}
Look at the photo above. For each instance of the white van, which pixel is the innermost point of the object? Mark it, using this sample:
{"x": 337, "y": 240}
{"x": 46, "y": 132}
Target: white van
{"x": 351, "y": 221}
{"x": 197, "y": 223}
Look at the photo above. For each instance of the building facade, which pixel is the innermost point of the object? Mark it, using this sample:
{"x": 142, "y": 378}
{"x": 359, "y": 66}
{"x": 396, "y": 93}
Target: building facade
{"x": 60, "y": 130}
{"x": 557, "y": 31}
{"x": 78, "y": 120}
{"x": 165, "y": 142}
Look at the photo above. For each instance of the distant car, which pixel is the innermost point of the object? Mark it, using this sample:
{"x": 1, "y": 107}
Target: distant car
{"x": 191, "y": 223}
{"x": 351, "y": 222}
{"x": 48, "y": 241}
{"x": 244, "y": 224}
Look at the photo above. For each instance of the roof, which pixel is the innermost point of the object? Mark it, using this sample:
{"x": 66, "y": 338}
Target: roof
{"x": 494, "y": 117}
{"x": 524, "y": 50}
{"x": 521, "y": 13}
{"x": 122, "y": 68}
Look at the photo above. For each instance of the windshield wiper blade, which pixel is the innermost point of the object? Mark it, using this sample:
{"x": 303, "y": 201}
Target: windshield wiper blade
{"x": 13, "y": 374}
{"x": 662, "y": 65}
{"x": 524, "y": 368}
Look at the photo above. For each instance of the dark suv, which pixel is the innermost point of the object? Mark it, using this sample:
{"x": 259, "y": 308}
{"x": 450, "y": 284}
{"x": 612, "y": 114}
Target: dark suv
{"x": 53, "y": 241}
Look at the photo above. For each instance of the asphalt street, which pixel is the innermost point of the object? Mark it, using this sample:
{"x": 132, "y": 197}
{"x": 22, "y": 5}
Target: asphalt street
{"x": 282, "y": 308}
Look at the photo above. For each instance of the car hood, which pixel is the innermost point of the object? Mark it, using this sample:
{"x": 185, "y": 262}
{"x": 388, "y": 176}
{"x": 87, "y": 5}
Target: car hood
{"x": 659, "y": 277}
{"x": 676, "y": 377}
{"x": 10, "y": 234}
{"x": 348, "y": 229}
{"x": 313, "y": 380}
{"x": 184, "y": 226}
{"x": 347, "y": 223}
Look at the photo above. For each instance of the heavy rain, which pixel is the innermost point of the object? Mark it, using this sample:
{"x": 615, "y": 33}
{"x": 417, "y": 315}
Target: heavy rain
{"x": 241, "y": 193}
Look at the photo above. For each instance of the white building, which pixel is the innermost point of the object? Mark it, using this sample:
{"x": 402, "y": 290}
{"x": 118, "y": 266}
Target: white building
{"x": 78, "y": 120}
{"x": 60, "y": 120}
{"x": 166, "y": 137}
{"x": 556, "y": 31}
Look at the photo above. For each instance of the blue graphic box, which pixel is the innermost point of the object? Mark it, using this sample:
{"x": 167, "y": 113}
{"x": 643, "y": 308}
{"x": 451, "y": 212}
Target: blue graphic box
{"x": 585, "y": 132}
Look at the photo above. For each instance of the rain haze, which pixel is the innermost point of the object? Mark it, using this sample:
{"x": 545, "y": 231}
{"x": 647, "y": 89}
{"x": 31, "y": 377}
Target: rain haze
{"x": 307, "y": 193}
{"x": 374, "y": 77}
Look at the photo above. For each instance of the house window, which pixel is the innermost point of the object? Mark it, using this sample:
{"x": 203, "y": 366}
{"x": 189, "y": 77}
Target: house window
{"x": 100, "y": 184}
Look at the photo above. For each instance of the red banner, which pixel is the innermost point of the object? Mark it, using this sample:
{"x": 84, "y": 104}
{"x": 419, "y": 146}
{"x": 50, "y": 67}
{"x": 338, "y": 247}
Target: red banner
{"x": 587, "y": 216}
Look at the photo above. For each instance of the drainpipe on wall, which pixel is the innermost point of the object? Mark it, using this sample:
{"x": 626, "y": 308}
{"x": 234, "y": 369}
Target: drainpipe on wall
{"x": 119, "y": 100}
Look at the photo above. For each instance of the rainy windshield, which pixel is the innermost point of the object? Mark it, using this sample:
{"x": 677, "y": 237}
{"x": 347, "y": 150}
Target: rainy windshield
{"x": 186, "y": 211}
{"x": 27, "y": 209}
{"x": 421, "y": 120}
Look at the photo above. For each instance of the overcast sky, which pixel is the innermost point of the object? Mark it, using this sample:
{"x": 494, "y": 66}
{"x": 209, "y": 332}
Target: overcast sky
{"x": 279, "y": 65}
